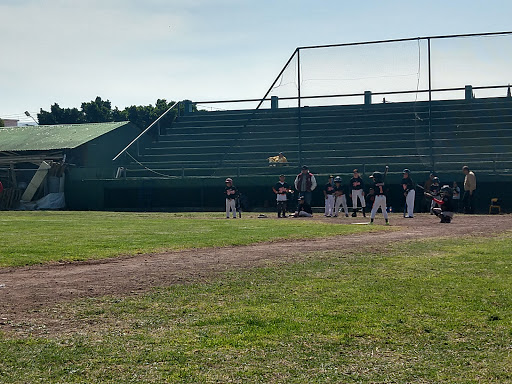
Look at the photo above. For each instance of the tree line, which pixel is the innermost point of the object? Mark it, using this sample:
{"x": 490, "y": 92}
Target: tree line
{"x": 100, "y": 111}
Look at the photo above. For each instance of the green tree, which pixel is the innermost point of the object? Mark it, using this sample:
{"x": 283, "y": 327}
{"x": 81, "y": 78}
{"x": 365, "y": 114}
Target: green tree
{"x": 97, "y": 111}
{"x": 2, "y": 123}
{"x": 58, "y": 115}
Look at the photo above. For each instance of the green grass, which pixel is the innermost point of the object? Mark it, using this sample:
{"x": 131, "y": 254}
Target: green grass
{"x": 414, "y": 313}
{"x": 41, "y": 237}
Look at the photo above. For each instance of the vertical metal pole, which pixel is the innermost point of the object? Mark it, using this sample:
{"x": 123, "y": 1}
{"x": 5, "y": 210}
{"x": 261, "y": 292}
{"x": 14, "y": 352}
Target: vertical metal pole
{"x": 299, "y": 107}
{"x": 430, "y": 107}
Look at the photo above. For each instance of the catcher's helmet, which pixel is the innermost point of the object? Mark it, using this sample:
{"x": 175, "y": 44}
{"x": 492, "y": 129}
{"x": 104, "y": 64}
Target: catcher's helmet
{"x": 337, "y": 179}
{"x": 229, "y": 180}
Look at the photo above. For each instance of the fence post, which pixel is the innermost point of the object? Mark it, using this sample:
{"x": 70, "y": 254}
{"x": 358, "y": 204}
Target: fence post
{"x": 367, "y": 97}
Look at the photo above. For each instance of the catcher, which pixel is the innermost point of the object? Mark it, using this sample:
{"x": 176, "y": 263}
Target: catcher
{"x": 445, "y": 202}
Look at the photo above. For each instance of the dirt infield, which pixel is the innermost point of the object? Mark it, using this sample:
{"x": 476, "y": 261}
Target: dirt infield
{"x": 25, "y": 293}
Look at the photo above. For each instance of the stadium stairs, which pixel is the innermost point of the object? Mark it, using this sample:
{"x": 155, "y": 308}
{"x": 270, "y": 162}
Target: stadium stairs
{"x": 334, "y": 140}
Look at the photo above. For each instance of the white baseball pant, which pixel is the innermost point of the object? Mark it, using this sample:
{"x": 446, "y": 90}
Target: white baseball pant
{"x": 380, "y": 202}
{"x": 230, "y": 206}
{"x": 409, "y": 202}
{"x": 329, "y": 205}
{"x": 340, "y": 200}
{"x": 357, "y": 194}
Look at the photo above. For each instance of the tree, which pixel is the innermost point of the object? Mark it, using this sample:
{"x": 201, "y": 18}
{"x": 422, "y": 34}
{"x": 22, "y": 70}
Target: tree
{"x": 58, "y": 115}
{"x": 97, "y": 111}
{"x": 100, "y": 111}
{"x": 2, "y": 123}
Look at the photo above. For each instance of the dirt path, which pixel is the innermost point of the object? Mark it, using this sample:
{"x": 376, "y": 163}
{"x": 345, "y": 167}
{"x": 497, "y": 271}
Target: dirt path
{"x": 24, "y": 292}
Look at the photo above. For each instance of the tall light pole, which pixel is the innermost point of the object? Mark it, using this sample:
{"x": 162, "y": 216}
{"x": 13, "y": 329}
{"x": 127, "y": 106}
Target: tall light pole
{"x": 27, "y": 113}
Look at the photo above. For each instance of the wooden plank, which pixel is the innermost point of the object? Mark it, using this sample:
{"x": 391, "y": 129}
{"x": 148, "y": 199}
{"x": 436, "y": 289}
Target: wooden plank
{"x": 36, "y": 181}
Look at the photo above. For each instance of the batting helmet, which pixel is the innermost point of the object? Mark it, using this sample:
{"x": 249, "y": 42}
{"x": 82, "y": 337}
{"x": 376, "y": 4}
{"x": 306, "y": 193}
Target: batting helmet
{"x": 446, "y": 189}
{"x": 376, "y": 176}
{"x": 406, "y": 170}
{"x": 229, "y": 180}
{"x": 436, "y": 180}
{"x": 337, "y": 179}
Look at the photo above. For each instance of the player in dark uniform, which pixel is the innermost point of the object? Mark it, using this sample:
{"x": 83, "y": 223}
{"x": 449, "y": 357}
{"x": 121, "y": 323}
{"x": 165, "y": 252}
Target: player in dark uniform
{"x": 409, "y": 193}
{"x": 339, "y": 196}
{"x": 281, "y": 189}
{"x": 231, "y": 193}
{"x": 303, "y": 209}
{"x": 329, "y": 197}
{"x": 356, "y": 186}
{"x": 435, "y": 190}
{"x": 445, "y": 201}
{"x": 380, "y": 195}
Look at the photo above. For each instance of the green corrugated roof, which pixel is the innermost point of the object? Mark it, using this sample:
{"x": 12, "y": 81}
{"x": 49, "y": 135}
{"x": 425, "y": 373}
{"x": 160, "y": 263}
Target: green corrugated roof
{"x": 49, "y": 137}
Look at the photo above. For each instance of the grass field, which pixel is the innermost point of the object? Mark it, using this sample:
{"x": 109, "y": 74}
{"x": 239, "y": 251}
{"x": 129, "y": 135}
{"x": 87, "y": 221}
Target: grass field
{"x": 41, "y": 237}
{"x": 413, "y": 312}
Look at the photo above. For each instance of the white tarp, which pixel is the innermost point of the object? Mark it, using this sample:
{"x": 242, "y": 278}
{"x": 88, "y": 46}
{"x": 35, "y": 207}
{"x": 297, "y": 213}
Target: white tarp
{"x": 50, "y": 201}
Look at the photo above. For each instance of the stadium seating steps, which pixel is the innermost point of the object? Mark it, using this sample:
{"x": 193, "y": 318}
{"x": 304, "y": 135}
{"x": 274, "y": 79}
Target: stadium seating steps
{"x": 335, "y": 139}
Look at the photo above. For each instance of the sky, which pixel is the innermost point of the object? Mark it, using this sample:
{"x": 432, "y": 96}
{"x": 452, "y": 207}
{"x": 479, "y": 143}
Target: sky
{"x": 133, "y": 52}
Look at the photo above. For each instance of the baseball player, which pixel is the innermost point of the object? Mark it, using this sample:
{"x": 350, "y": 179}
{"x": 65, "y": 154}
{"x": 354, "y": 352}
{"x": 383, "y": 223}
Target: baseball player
{"x": 434, "y": 191}
{"x": 303, "y": 209}
{"x": 445, "y": 201}
{"x": 231, "y": 193}
{"x": 380, "y": 195}
{"x": 357, "y": 192}
{"x": 281, "y": 189}
{"x": 329, "y": 197}
{"x": 409, "y": 193}
{"x": 339, "y": 197}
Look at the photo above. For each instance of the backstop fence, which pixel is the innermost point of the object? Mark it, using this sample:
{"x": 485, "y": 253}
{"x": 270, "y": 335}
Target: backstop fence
{"x": 399, "y": 70}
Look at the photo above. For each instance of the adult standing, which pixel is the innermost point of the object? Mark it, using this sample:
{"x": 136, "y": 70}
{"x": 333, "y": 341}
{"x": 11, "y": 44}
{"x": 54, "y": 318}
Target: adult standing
{"x": 409, "y": 193}
{"x": 305, "y": 184}
{"x": 356, "y": 186}
{"x": 468, "y": 201}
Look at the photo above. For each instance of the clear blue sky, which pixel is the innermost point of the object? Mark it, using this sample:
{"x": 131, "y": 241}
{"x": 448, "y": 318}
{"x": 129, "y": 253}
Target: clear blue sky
{"x": 134, "y": 51}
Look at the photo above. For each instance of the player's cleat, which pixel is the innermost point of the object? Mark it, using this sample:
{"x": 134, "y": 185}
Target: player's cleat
{"x": 354, "y": 214}
{"x": 346, "y": 214}
{"x": 387, "y": 223}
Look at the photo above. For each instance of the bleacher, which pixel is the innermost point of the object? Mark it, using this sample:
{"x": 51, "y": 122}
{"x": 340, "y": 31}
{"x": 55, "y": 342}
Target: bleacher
{"x": 335, "y": 139}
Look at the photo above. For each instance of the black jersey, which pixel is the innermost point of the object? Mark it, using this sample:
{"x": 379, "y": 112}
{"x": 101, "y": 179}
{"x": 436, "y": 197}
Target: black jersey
{"x": 339, "y": 190}
{"x": 379, "y": 188}
{"x": 304, "y": 207}
{"x": 329, "y": 188}
{"x": 356, "y": 183}
{"x": 281, "y": 188}
{"x": 446, "y": 204}
{"x": 407, "y": 184}
{"x": 231, "y": 192}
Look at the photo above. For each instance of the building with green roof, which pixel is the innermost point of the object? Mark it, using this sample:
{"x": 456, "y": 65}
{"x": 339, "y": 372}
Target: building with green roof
{"x": 82, "y": 150}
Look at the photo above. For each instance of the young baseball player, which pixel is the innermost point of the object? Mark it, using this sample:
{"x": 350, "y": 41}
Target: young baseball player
{"x": 281, "y": 189}
{"x": 339, "y": 197}
{"x": 435, "y": 188}
{"x": 231, "y": 193}
{"x": 329, "y": 197}
{"x": 380, "y": 195}
{"x": 445, "y": 202}
{"x": 303, "y": 209}
{"x": 409, "y": 193}
{"x": 357, "y": 192}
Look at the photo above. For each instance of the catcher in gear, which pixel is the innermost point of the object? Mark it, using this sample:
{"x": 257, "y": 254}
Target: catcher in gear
{"x": 445, "y": 202}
